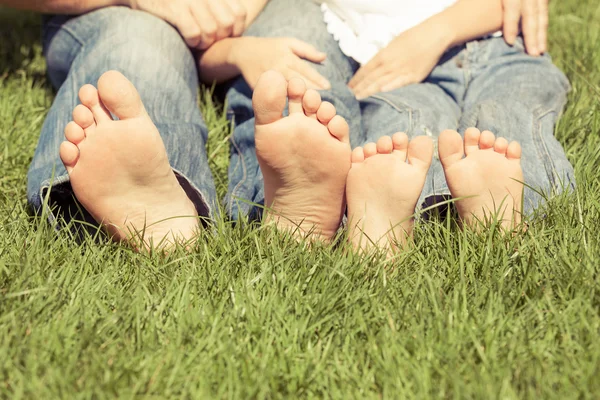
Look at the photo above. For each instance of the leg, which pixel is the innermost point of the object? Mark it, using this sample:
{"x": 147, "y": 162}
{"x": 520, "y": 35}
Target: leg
{"x": 304, "y": 157}
{"x": 283, "y": 18}
{"x": 152, "y": 55}
{"x": 423, "y": 109}
{"x": 519, "y": 98}
{"x": 383, "y": 188}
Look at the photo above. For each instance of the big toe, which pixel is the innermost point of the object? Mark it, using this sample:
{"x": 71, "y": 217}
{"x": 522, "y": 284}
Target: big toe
{"x": 451, "y": 149}
{"x": 268, "y": 100}
{"x": 120, "y": 96}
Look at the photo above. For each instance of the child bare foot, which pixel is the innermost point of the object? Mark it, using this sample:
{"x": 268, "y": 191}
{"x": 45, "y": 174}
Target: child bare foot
{"x": 488, "y": 180}
{"x": 304, "y": 157}
{"x": 119, "y": 170}
{"x": 383, "y": 188}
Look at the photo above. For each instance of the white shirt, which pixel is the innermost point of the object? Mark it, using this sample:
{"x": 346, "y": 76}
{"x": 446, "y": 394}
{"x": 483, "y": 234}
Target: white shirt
{"x": 363, "y": 27}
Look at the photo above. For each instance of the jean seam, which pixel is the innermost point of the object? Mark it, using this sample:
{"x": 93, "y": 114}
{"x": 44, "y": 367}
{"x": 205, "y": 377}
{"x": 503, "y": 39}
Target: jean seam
{"x": 542, "y": 148}
{"x": 244, "y": 175}
{"x": 68, "y": 30}
{"x": 407, "y": 108}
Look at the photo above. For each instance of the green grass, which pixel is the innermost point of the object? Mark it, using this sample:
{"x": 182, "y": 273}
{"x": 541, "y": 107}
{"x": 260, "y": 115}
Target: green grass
{"x": 250, "y": 314}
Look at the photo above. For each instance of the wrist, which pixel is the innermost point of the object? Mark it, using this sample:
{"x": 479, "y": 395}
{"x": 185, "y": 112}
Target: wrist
{"x": 444, "y": 31}
{"x": 238, "y": 48}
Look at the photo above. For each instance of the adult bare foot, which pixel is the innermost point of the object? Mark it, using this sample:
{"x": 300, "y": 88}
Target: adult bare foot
{"x": 119, "y": 170}
{"x": 383, "y": 188}
{"x": 488, "y": 181}
{"x": 304, "y": 157}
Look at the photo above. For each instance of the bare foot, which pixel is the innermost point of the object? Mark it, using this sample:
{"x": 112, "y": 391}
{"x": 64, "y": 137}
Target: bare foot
{"x": 383, "y": 188}
{"x": 119, "y": 170}
{"x": 488, "y": 181}
{"x": 304, "y": 157}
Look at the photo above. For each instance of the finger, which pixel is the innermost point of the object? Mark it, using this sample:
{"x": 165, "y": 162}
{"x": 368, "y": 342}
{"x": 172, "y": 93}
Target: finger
{"x": 188, "y": 27}
{"x": 543, "y": 26}
{"x": 363, "y": 72}
{"x": 306, "y": 51}
{"x": 224, "y": 19}
{"x": 239, "y": 14}
{"x": 375, "y": 87}
{"x": 206, "y": 23}
{"x": 396, "y": 83}
{"x": 512, "y": 15}
{"x": 530, "y": 26}
{"x": 311, "y": 75}
{"x": 370, "y": 83}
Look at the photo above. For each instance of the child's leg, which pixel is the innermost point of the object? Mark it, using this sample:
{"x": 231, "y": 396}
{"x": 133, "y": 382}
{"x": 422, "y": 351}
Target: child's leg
{"x": 283, "y": 18}
{"x": 422, "y": 109}
{"x": 519, "y": 97}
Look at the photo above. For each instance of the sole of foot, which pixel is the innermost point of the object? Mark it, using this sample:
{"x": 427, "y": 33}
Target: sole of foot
{"x": 383, "y": 186}
{"x": 484, "y": 174}
{"x": 119, "y": 169}
{"x": 304, "y": 157}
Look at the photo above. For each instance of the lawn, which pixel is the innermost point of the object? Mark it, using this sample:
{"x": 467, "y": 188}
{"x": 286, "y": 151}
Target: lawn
{"x": 250, "y": 314}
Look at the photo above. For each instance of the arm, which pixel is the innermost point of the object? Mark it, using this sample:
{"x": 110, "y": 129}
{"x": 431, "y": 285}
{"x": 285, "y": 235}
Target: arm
{"x": 251, "y": 56}
{"x": 468, "y": 20}
{"x": 62, "y": 6}
{"x": 413, "y": 54}
{"x": 216, "y": 64}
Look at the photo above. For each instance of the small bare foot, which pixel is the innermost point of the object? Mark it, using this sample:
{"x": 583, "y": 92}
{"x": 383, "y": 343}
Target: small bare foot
{"x": 304, "y": 157}
{"x": 488, "y": 181}
{"x": 383, "y": 188}
{"x": 119, "y": 170}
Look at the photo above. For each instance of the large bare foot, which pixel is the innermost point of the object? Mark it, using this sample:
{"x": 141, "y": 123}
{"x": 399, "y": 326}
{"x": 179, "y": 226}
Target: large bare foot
{"x": 304, "y": 157}
{"x": 119, "y": 170}
{"x": 383, "y": 188}
{"x": 487, "y": 183}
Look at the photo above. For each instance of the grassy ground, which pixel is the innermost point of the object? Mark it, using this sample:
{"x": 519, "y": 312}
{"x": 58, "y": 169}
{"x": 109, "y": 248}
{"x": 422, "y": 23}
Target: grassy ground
{"x": 252, "y": 315}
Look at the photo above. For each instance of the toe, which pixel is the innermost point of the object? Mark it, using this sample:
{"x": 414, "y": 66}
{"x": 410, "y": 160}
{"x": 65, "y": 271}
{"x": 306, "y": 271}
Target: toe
{"x": 513, "y": 152}
{"x": 83, "y": 117}
{"x": 450, "y": 146}
{"x": 358, "y": 155}
{"x": 74, "y": 133}
{"x": 120, "y": 96}
{"x": 385, "y": 145}
{"x": 472, "y": 136}
{"x": 501, "y": 145}
{"x": 400, "y": 143}
{"x": 370, "y": 150}
{"x": 295, "y": 92}
{"x": 420, "y": 151}
{"x": 91, "y": 99}
{"x": 326, "y": 112}
{"x": 338, "y": 128}
{"x": 311, "y": 103}
{"x": 268, "y": 100}
{"x": 487, "y": 140}
{"x": 69, "y": 154}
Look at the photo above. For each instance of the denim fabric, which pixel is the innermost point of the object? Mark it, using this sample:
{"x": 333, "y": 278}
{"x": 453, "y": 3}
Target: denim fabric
{"x": 150, "y": 53}
{"x": 484, "y": 83}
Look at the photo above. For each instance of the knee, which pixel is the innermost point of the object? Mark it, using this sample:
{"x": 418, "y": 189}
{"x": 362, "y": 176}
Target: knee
{"x": 135, "y": 31}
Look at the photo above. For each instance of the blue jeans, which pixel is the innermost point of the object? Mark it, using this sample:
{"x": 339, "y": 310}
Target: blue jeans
{"x": 154, "y": 57}
{"x": 484, "y": 83}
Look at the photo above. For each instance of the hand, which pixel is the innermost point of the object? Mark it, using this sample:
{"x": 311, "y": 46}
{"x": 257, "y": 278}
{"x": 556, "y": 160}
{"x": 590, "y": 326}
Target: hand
{"x": 253, "y": 56}
{"x": 200, "y": 22}
{"x": 409, "y": 58}
{"x": 533, "y": 15}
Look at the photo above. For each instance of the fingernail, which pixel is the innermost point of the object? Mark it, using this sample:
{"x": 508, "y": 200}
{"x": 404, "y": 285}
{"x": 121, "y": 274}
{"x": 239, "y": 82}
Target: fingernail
{"x": 325, "y": 84}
